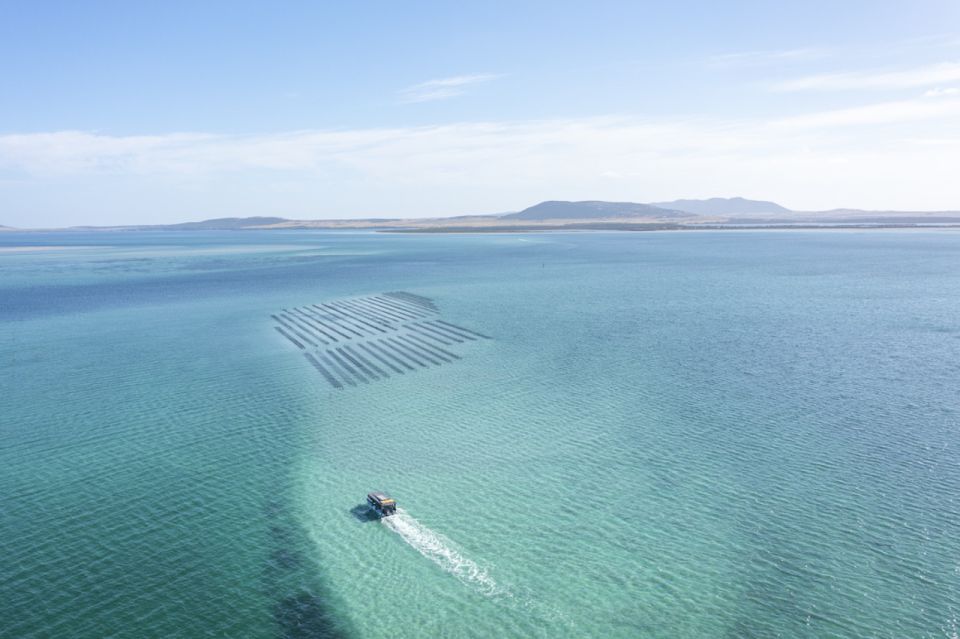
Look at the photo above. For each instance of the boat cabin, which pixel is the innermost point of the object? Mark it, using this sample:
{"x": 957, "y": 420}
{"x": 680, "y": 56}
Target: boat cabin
{"x": 384, "y": 504}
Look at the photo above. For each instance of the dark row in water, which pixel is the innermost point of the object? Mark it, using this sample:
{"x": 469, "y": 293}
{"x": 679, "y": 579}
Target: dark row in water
{"x": 425, "y": 302}
{"x": 377, "y": 359}
{"x": 345, "y": 320}
{"x": 361, "y": 340}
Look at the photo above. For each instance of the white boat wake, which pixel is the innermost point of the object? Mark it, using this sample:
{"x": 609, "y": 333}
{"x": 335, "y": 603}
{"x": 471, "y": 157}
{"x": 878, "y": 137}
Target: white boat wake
{"x": 442, "y": 552}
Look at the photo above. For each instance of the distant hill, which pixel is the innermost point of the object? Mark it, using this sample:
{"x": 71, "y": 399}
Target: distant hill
{"x": 591, "y": 210}
{"x": 841, "y": 214}
{"x": 223, "y": 224}
{"x": 724, "y": 206}
{"x": 586, "y": 214}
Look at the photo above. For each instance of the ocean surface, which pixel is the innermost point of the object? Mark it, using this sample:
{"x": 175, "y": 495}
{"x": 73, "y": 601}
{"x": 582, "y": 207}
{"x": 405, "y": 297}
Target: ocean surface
{"x": 674, "y": 434}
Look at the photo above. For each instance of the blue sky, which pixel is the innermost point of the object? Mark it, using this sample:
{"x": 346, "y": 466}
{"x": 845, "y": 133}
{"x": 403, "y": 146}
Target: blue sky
{"x": 115, "y": 113}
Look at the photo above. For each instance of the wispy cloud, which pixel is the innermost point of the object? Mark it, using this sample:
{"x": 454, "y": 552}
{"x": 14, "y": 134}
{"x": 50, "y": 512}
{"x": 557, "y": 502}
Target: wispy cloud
{"x": 509, "y": 149}
{"x": 941, "y": 91}
{"x": 930, "y": 41}
{"x": 881, "y": 113}
{"x": 942, "y": 73}
{"x": 443, "y": 88}
{"x": 814, "y": 160}
{"x": 759, "y": 58}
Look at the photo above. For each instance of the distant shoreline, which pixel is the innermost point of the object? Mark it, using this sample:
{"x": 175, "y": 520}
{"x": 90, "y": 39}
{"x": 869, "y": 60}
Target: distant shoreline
{"x": 35, "y": 249}
{"x": 560, "y": 215}
{"x": 639, "y": 228}
{"x": 630, "y": 227}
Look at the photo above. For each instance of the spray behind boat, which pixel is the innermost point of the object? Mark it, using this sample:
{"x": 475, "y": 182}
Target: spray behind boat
{"x": 451, "y": 559}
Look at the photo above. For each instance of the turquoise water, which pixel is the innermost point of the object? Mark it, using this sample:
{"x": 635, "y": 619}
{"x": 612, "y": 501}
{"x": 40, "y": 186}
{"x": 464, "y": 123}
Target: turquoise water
{"x": 743, "y": 434}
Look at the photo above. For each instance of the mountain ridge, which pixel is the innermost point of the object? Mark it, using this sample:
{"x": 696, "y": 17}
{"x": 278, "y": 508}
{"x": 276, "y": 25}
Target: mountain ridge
{"x": 724, "y": 206}
{"x": 591, "y": 209}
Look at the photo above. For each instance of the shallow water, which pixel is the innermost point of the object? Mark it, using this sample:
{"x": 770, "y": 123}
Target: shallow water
{"x": 669, "y": 434}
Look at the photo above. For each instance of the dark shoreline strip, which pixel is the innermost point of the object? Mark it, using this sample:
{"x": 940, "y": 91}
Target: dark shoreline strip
{"x": 369, "y": 311}
{"x": 419, "y": 349}
{"x": 303, "y": 325}
{"x": 334, "y": 355}
{"x": 406, "y": 306}
{"x": 402, "y": 315}
{"x": 353, "y": 360}
{"x": 320, "y": 331}
{"x": 382, "y": 349}
{"x": 374, "y": 308}
{"x": 380, "y": 358}
{"x": 433, "y": 347}
{"x": 294, "y": 330}
{"x": 330, "y": 318}
{"x": 366, "y": 362}
{"x": 336, "y": 368}
{"x": 443, "y": 330}
{"x": 327, "y": 325}
{"x": 386, "y": 302}
{"x": 425, "y": 302}
{"x": 363, "y": 324}
{"x": 348, "y": 305}
{"x": 339, "y": 308}
{"x": 314, "y": 328}
{"x": 416, "y": 328}
{"x": 402, "y": 346}
{"x": 436, "y": 331}
{"x": 362, "y": 312}
{"x": 401, "y": 353}
{"x": 465, "y": 330}
{"x": 413, "y": 314}
{"x": 288, "y": 336}
{"x": 323, "y": 371}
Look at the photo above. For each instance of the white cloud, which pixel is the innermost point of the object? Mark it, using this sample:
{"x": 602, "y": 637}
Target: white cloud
{"x": 816, "y": 160}
{"x": 758, "y": 58}
{"x": 443, "y": 88}
{"x": 940, "y": 92}
{"x": 942, "y": 73}
{"x": 874, "y": 114}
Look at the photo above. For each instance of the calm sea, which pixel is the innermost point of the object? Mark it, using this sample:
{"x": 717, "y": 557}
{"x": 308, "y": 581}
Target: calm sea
{"x": 694, "y": 434}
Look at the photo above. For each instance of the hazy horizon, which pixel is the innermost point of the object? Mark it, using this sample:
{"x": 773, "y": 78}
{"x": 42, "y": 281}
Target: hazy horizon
{"x": 745, "y": 214}
{"x": 137, "y": 116}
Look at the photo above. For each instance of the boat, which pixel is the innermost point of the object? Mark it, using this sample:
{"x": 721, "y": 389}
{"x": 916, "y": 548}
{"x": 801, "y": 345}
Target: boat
{"x": 382, "y": 503}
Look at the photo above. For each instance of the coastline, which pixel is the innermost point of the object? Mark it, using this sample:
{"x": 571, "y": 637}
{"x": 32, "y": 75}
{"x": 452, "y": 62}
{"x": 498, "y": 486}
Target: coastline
{"x": 665, "y": 227}
{"x": 627, "y": 227}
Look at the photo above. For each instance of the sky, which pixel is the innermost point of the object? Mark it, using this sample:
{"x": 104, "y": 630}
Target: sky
{"x": 132, "y": 113}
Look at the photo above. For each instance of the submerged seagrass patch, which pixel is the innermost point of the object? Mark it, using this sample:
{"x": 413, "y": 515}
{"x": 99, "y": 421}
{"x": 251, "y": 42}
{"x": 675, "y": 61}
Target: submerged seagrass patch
{"x": 365, "y": 339}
